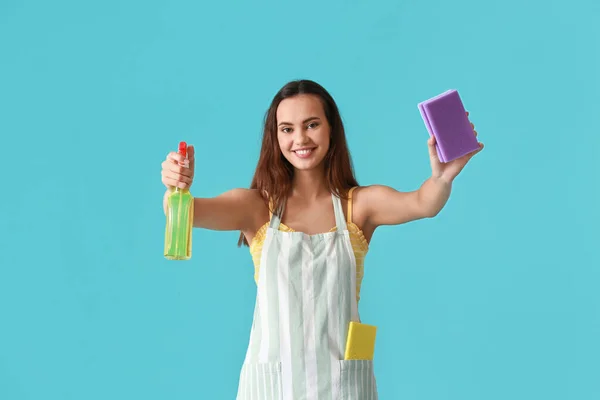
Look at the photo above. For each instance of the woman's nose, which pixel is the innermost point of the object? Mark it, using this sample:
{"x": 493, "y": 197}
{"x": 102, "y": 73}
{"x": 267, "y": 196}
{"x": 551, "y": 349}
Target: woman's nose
{"x": 301, "y": 136}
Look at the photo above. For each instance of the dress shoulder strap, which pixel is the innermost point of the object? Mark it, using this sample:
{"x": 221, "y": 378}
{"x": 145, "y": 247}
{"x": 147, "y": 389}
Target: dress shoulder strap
{"x": 350, "y": 204}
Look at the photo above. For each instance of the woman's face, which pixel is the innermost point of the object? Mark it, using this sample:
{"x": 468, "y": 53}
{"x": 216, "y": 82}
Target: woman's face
{"x": 303, "y": 132}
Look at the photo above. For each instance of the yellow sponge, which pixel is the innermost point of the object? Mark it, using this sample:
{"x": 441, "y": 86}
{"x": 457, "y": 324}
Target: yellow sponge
{"x": 361, "y": 341}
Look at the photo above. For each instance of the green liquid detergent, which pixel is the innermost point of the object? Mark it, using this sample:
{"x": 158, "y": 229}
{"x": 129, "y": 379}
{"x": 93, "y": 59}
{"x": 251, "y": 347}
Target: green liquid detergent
{"x": 180, "y": 220}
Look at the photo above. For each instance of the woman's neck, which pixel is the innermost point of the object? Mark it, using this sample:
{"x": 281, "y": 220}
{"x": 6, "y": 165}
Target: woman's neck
{"x": 309, "y": 185}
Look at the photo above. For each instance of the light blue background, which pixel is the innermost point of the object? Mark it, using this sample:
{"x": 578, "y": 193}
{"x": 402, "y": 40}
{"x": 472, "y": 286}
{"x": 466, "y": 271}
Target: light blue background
{"x": 496, "y": 298}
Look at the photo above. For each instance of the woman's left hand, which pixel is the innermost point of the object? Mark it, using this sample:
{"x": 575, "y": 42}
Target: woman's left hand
{"x": 449, "y": 171}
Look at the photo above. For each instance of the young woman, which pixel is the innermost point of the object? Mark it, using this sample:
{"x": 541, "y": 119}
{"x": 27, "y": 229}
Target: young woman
{"x": 308, "y": 225}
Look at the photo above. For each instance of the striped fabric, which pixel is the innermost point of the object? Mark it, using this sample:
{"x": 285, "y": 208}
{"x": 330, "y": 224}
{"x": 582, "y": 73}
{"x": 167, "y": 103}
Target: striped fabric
{"x": 305, "y": 301}
{"x": 260, "y": 380}
{"x": 357, "y": 238}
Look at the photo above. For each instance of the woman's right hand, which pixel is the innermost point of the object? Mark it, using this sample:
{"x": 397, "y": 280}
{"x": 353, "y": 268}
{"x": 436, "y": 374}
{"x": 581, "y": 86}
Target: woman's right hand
{"x": 175, "y": 173}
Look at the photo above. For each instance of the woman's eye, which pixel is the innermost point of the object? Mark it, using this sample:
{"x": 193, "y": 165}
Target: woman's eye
{"x": 286, "y": 130}
{"x": 313, "y": 125}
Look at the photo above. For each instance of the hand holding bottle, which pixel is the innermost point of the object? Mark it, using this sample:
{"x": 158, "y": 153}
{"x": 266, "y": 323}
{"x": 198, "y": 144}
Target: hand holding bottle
{"x": 177, "y": 171}
{"x": 178, "y": 203}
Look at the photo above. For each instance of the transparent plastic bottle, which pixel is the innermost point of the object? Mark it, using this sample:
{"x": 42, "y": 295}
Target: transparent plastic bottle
{"x": 180, "y": 218}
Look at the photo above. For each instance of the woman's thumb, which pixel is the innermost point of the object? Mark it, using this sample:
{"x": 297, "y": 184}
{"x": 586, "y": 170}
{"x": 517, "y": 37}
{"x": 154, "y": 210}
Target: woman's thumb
{"x": 432, "y": 149}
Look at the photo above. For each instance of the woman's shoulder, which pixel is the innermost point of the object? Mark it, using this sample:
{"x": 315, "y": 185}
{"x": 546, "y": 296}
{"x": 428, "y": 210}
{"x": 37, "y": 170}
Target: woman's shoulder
{"x": 370, "y": 191}
{"x": 246, "y": 194}
{"x": 365, "y": 198}
{"x": 358, "y": 194}
{"x": 249, "y": 199}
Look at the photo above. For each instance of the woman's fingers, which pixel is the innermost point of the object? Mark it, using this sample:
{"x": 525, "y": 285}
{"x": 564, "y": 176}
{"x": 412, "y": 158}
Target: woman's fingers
{"x": 175, "y": 180}
{"x": 173, "y": 166}
{"x": 174, "y": 156}
{"x": 174, "y": 174}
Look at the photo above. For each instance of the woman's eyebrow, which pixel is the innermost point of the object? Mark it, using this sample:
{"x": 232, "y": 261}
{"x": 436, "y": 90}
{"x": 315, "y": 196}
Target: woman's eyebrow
{"x": 304, "y": 122}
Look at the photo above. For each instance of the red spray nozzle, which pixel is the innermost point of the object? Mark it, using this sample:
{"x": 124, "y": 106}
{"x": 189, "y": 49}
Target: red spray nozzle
{"x": 183, "y": 148}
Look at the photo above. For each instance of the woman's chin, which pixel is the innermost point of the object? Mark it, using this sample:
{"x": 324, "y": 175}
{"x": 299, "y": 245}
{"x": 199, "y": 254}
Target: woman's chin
{"x": 307, "y": 166}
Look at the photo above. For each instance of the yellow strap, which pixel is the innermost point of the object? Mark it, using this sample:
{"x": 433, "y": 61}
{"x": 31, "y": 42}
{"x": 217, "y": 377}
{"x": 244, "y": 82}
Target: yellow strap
{"x": 350, "y": 204}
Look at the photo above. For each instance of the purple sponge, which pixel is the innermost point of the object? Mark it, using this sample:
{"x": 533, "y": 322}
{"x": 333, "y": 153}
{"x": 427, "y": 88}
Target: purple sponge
{"x": 446, "y": 120}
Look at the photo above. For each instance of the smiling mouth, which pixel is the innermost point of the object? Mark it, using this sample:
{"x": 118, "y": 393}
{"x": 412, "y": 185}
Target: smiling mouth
{"x": 303, "y": 152}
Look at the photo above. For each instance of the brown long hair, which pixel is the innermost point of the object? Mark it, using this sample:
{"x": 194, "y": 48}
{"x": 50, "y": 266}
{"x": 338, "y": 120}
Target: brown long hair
{"x": 274, "y": 173}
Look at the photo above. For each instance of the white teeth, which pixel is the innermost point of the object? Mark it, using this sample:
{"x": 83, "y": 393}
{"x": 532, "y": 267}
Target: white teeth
{"x": 303, "y": 152}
